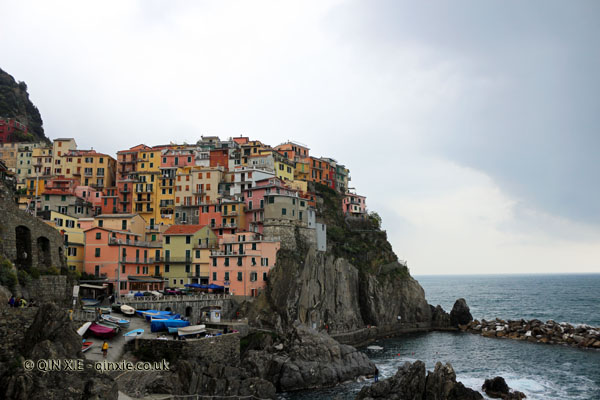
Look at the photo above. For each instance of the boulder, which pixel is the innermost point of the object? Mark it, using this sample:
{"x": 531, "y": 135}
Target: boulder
{"x": 460, "y": 314}
{"x": 497, "y": 388}
{"x": 439, "y": 317}
{"x": 410, "y": 382}
{"x": 309, "y": 359}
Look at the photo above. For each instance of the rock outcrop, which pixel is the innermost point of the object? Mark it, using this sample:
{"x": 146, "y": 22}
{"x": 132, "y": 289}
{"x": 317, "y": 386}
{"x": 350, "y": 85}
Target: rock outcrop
{"x": 497, "y": 388}
{"x": 51, "y": 336}
{"x": 536, "y": 331}
{"x": 306, "y": 359}
{"x": 412, "y": 382}
{"x": 460, "y": 314}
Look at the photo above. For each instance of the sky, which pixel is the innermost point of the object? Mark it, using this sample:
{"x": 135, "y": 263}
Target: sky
{"x": 471, "y": 127}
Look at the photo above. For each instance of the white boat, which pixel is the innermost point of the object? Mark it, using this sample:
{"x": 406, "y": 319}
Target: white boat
{"x": 123, "y": 323}
{"x": 374, "y": 347}
{"x": 127, "y": 310}
{"x": 131, "y": 335}
{"x": 191, "y": 330}
{"x": 81, "y": 331}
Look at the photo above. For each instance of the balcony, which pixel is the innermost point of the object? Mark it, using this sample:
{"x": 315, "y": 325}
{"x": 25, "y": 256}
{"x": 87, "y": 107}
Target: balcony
{"x": 140, "y": 260}
{"x": 187, "y": 260}
{"x": 147, "y": 189}
{"x": 140, "y": 243}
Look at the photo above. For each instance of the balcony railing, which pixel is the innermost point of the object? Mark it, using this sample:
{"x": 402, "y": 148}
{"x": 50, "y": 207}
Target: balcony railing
{"x": 141, "y": 260}
{"x": 178, "y": 259}
{"x": 125, "y": 242}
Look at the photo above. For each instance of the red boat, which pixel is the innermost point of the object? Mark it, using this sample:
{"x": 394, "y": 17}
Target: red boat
{"x": 101, "y": 331}
{"x": 85, "y": 346}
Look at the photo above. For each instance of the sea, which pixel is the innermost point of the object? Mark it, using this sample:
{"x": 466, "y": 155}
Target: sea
{"x": 538, "y": 370}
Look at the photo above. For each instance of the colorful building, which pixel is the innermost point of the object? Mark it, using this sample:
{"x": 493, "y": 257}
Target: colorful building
{"x": 11, "y": 130}
{"x": 123, "y": 260}
{"x": 243, "y": 262}
{"x": 354, "y": 204}
{"x": 180, "y": 243}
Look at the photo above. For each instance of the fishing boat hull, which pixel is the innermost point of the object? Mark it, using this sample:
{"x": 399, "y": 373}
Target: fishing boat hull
{"x": 102, "y": 331}
{"x": 131, "y": 335}
{"x": 81, "y": 331}
{"x": 85, "y": 346}
{"x": 127, "y": 310}
{"x": 191, "y": 330}
{"x": 122, "y": 323}
{"x": 164, "y": 324}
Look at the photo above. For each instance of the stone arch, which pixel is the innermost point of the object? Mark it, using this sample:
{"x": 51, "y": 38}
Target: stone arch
{"x": 43, "y": 248}
{"x": 188, "y": 311}
{"x": 23, "y": 241}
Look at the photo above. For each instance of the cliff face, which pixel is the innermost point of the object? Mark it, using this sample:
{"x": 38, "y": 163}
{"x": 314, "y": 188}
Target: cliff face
{"x": 356, "y": 282}
{"x": 15, "y": 103}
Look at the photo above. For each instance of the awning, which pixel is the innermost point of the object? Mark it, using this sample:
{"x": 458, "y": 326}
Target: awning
{"x": 144, "y": 279}
{"x": 95, "y": 287}
{"x": 213, "y": 286}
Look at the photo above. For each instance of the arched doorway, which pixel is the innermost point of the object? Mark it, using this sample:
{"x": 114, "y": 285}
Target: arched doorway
{"x": 23, "y": 240}
{"x": 188, "y": 311}
{"x": 43, "y": 248}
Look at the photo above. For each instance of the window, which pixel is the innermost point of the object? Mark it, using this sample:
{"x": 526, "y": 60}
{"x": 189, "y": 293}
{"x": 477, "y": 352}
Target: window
{"x": 227, "y": 261}
{"x": 197, "y": 253}
{"x": 250, "y": 194}
{"x": 98, "y": 235}
{"x": 214, "y": 276}
{"x": 253, "y": 261}
{"x": 100, "y": 223}
{"x": 281, "y": 167}
{"x": 239, "y": 261}
{"x": 250, "y": 205}
{"x": 271, "y": 199}
{"x": 264, "y": 262}
{"x": 188, "y": 239}
{"x": 214, "y": 261}
{"x": 187, "y": 268}
{"x": 167, "y": 268}
{"x": 167, "y": 239}
{"x": 97, "y": 252}
{"x": 253, "y": 276}
{"x": 283, "y": 211}
{"x": 226, "y": 276}
{"x": 253, "y": 246}
{"x": 240, "y": 276}
{"x": 264, "y": 276}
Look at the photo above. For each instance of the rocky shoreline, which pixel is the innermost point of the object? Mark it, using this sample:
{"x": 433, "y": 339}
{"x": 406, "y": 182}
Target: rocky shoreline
{"x": 536, "y": 331}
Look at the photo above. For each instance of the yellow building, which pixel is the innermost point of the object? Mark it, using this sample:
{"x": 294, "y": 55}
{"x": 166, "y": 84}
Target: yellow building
{"x": 90, "y": 168}
{"x": 60, "y": 147}
{"x": 73, "y": 234}
{"x": 25, "y": 162}
{"x": 42, "y": 160}
{"x": 122, "y": 222}
{"x": 182, "y": 264}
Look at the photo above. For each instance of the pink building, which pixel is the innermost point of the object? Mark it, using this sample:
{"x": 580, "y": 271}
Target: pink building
{"x": 242, "y": 263}
{"x": 123, "y": 259}
{"x": 92, "y": 195}
{"x": 175, "y": 158}
{"x": 354, "y": 204}
{"x": 254, "y": 199}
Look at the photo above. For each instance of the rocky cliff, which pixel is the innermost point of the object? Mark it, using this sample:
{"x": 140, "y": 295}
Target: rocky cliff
{"x": 357, "y": 282}
{"x": 15, "y": 103}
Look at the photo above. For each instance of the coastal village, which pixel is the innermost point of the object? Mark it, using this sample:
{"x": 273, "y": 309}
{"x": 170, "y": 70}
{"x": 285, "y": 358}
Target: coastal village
{"x": 207, "y": 216}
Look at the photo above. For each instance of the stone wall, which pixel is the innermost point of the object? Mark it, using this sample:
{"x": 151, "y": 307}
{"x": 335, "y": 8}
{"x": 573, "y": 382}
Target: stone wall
{"x": 224, "y": 349}
{"x": 27, "y": 241}
{"x": 49, "y": 288}
{"x": 361, "y": 337}
{"x": 191, "y": 308}
{"x": 285, "y": 232}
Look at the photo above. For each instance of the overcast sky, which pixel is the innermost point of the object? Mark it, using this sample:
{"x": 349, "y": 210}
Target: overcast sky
{"x": 472, "y": 127}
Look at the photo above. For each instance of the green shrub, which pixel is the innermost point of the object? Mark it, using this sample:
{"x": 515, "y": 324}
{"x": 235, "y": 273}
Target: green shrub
{"x": 24, "y": 277}
{"x": 51, "y": 271}
{"x": 8, "y": 277}
{"x": 34, "y": 273}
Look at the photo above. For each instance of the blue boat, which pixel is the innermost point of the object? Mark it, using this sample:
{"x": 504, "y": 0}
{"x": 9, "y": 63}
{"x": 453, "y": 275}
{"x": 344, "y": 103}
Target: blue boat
{"x": 150, "y": 317}
{"x": 143, "y": 313}
{"x": 131, "y": 335}
{"x": 164, "y": 324}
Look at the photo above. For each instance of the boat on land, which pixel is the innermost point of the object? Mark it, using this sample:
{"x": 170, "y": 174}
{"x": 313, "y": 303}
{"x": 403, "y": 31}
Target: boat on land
{"x": 81, "y": 331}
{"x": 102, "y": 331}
{"x": 151, "y": 318}
{"x": 127, "y": 310}
{"x": 191, "y": 330}
{"x": 143, "y": 313}
{"x": 131, "y": 335}
{"x": 108, "y": 324}
{"x": 85, "y": 345}
{"x": 103, "y": 310}
{"x": 90, "y": 302}
{"x": 122, "y": 323}
{"x": 164, "y": 324}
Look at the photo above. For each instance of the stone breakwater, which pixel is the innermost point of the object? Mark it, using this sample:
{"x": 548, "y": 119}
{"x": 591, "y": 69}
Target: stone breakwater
{"x": 536, "y": 331}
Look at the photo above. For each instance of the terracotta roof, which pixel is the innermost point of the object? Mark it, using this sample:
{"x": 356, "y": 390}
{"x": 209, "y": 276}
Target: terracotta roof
{"x": 183, "y": 229}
